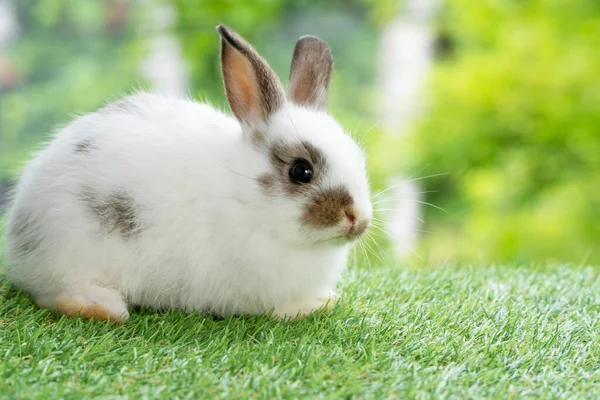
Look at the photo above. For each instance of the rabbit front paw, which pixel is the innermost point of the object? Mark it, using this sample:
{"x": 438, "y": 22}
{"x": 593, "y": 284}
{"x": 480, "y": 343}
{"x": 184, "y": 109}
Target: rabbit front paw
{"x": 303, "y": 309}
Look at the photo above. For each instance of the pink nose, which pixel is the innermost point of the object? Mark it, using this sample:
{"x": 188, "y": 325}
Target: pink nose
{"x": 351, "y": 215}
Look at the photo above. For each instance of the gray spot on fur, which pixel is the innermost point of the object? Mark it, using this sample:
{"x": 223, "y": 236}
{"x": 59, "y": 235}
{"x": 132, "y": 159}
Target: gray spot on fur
{"x": 268, "y": 183}
{"x": 117, "y": 212}
{"x": 25, "y": 231}
{"x": 85, "y": 145}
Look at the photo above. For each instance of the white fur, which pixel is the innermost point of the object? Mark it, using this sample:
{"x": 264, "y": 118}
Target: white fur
{"x": 212, "y": 240}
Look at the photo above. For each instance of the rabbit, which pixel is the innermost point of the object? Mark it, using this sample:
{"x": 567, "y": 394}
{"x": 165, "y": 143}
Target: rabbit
{"x": 170, "y": 204}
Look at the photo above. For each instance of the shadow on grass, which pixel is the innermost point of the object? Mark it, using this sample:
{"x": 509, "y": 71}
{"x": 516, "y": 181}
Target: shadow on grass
{"x": 156, "y": 327}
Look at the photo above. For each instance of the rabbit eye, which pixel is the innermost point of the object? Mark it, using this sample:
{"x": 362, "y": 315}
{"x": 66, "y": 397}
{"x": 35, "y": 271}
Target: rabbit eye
{"x": 301, "y": 171}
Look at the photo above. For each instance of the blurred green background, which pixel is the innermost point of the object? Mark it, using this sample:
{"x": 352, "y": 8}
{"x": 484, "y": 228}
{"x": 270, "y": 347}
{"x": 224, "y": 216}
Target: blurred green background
{"x": 511, "y": 127}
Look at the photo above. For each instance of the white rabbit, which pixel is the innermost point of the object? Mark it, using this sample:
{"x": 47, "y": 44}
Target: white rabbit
{"x": 170, "y": 204}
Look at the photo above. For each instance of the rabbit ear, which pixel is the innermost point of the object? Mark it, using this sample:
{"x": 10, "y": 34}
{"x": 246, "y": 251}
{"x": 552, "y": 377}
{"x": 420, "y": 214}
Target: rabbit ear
{"x": 254, "y": 91}
{"x": 310, "y": 73}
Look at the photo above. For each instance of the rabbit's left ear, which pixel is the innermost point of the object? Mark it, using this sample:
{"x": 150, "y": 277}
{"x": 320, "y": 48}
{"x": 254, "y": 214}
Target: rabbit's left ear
{"x": 310, "y": 73}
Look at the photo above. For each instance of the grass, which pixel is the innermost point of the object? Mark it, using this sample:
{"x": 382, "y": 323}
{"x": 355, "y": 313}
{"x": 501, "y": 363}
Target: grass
{"x": 486, "y": 332}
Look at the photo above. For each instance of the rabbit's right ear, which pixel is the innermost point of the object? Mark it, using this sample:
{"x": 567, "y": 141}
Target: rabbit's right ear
{"x": 310, "y": 73}
{"x": 254, "y": 91}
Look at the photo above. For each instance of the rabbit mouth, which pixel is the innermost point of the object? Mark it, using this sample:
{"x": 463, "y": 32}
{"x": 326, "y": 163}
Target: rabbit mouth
{"x": 347, "y": 234}
{"x": 351, "y": 237}
{"x": 356, "y": 229}
{"x": 354, "y": 233}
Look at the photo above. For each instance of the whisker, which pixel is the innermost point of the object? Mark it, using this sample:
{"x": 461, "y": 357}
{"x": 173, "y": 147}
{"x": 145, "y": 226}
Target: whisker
{"x": 396, "y": 238}
{"x": 378, "y": 247}
{"x": 373, "y": 252}
{"x": 354, "y": 133}
{"x": 371, "y": 128}
{"x": 231, "y": 170}
{"x": 419, "y": 171}
{"x": 393, "y": 236}
{"x": 410, "y": 177}
{"x": 366, "y": 256}
{"x": 426, "y": 177}
{"x": 416, "y": 254}
{"x": 406, "y": 181}
{"x": 383, "y": 221}
{"x": 401, "y": 198}
{"x": 434, "y": 206}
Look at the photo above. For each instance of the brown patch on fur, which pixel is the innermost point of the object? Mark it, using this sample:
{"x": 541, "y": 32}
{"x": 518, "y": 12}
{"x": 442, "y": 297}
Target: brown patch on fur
{"x": 310, "y": 73}
{"x": 85, "y": 145}
{"x": 282, "y": 157}
{"x": 117, "y": 212}
{"x": 253, "y": 89}
{"x": 328, "y": 208}
{"x": 267, "y": 182}
{"x": 257, "y": 139}
{"x": 25, "y": 229}
{"x": 73, "y": 307}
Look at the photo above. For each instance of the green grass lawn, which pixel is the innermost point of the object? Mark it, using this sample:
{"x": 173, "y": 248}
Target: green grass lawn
{"x": 471, "y": 332}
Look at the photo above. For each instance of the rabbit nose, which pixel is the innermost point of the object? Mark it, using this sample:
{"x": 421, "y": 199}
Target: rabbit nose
{"x": 351, "y": 214}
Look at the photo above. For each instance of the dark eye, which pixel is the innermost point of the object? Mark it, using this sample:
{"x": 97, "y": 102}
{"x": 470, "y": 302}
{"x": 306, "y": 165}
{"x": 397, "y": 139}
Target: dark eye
{"x": 301, "y": 171}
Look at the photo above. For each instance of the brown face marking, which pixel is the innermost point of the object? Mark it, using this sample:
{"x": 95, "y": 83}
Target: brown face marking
{"x": 253, "y": 89}
{"x": 85, "y": 145}
{"x": 310, "y": 73}
{"x": 117, "y": 212}
{"x": 282, "y": 157}
{"x": 327, "y": 208}
{"x": 26, "y": 230}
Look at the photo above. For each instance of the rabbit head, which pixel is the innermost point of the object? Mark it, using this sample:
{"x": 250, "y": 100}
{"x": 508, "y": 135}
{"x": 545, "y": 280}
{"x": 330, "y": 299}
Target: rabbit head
{"x": 313, "y": 174}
